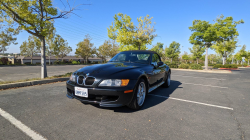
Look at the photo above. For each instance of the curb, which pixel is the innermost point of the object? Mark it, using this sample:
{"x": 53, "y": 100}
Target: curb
{"x": 207, "y": 71}
{"x": 31, "y": 83}
{"x": 243, "y": 67}
{"x": 228, "y": 68}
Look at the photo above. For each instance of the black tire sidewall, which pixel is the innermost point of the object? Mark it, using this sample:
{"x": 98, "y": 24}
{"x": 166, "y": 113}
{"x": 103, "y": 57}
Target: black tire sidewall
{"x": 134, "y": 103}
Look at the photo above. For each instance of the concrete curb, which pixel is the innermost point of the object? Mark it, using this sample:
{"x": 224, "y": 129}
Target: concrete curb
{"x": 207, "y": 71}
{"x": 31, "y": 83}
{"x": 243, "y": 67}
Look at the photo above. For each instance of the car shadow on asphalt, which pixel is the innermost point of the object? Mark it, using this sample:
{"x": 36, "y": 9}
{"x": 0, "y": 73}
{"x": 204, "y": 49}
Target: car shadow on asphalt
{"x": 150, "y": 100}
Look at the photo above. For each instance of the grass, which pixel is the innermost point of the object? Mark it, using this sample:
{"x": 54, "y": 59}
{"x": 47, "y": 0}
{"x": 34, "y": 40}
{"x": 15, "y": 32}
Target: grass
{"x": 34, "y": 79}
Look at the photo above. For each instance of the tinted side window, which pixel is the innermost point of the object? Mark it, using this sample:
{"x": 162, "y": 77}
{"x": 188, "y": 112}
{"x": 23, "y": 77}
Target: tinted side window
{"x": 155, "y": 58}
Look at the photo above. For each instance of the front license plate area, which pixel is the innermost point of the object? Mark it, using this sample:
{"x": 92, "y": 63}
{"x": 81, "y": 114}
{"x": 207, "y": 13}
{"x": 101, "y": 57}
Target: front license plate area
{"x": 82, "y": 92}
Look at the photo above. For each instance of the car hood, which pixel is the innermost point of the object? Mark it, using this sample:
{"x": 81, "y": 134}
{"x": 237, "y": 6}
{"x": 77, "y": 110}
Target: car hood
{"x": 105, "y": 70}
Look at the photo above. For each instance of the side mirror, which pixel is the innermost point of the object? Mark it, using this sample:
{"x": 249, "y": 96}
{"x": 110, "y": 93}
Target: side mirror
{"x": 160, "y": 63}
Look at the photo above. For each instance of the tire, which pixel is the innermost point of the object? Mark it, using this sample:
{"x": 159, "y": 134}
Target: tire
{"x": 167, "y": 81}
{"x": 139, "y": 97}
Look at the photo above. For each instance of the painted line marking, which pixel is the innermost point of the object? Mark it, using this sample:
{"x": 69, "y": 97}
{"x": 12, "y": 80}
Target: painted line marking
{"x": 192, "y": 102}
{"x": 21, "y": 126}
{"x": 199, "y": 77}
{"x": 204, "y": 85}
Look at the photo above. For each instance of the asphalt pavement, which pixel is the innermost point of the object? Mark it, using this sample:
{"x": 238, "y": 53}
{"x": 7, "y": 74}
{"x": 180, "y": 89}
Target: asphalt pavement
{"x": 196, "y": 106}
{"x": 14, "y": 73}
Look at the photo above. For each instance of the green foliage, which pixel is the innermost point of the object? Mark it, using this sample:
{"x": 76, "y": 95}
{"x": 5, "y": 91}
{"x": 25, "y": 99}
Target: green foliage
{"x": 75, "y": 62}
{"x": 195, "y": 67}
{"x": 226, "y": 28}
{"x": 173, "y": 50}
{"x": 34, "y": 16}
{"x": 183, "y": 66}
{"x": 241, "y": 53}
{"x": 60, "y": 47}
{"x": 107, "y": 49}
{"x": 130, "y": 36}
{"x": 85, "y": 48}
{"x": 197, "y": 51}
{"x": 158, "y": 48}
{"x": 6, "y": 38}
{"x": 31, "y": 47}
{"x": 225, "y": 66}
{"x": 226, "y": 46}
{"x": 172, "y": 65}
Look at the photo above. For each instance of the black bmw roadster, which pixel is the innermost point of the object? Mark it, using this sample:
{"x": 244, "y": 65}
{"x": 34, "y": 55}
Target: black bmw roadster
{"x": 125, "y": 80}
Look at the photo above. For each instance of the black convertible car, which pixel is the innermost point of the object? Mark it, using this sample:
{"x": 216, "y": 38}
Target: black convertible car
{"x": 125, "y": 80}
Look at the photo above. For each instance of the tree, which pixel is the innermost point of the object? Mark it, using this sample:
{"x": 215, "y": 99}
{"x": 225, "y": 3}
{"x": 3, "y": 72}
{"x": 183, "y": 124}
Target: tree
{"x": 185, "y": 56}
{"x": 173, "y": 50}
{"x": 203, "y": 34}
{"x": 127, "y": 34}
{"x": 60, "y": 47}
{"x": 35, "y": 17}
{"x": 225, "y": 48}
{"x": 6, "y": 38}
{"x": 30, "y": 48}
{"x": 248, "y": 57}
{"x": 226, "y": 32}
{"x": 107, "y": 49}
{"x": 85, "y": 48}
{"x": 211, "y": 57}
{"x": 241, "y": 53}
{"x": 158, "y": 48}
{"x": 197, "y": 51}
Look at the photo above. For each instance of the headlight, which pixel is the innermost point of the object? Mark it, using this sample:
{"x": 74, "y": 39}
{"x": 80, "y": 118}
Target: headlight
{"x": 114, "y": 82}
{"x": 72, "y": 78}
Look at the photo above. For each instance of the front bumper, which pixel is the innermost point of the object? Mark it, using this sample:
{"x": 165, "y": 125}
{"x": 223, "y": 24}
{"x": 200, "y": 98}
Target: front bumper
{"x": 104, "y": 96}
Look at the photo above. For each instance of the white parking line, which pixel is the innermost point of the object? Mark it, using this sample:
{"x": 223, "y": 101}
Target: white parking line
{"x": 199, "y": 77}
{"x": 204, "y": 85}
{"x": 21, "y": 126}
{"x": 192, "y": 102}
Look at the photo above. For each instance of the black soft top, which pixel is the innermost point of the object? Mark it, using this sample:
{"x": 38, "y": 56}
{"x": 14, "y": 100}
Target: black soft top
{"x": 146, "y": 51}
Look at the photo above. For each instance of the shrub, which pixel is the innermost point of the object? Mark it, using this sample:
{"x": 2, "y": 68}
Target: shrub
{"x": 4, "y": 61}
{"x": 225, "y": 66}
{"x": 184, "y": 66}
{"x": 244, "y": 65}
{"x": 172, "y": 65}
{"x": 75, "y": 62}
{"x": 195, "y": 67}
{"x": 211, "y": 64}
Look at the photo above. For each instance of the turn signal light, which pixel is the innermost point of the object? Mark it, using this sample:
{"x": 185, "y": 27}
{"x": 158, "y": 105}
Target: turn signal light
{"x": 128, "y": 91}
{"x": 124, "y": 82}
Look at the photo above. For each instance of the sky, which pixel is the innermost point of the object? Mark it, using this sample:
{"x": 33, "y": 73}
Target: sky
{"x": 172, "y": 18}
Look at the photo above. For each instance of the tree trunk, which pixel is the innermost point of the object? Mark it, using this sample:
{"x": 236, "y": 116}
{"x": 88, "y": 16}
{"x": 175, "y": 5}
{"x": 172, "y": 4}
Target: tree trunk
{"x": 31, "y": 61}
{"x": 139, "y": 47}
{"x": 248, "y": 62}
{"x": 212, "y": 61}
{"x": 237, "y": 62}
{"x": 171, "y": 60}
{"x": 43, "y": 59}
{"x": 206, "y": 59}
{"x": 197, "y": 60}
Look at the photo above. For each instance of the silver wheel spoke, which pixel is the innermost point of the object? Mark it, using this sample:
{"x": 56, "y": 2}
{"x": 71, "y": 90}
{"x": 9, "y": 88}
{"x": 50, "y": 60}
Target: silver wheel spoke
{"x": 141, "y": 93}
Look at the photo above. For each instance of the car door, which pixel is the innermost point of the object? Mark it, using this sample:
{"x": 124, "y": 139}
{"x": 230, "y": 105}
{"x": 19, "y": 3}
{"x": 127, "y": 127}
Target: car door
{"x": 157, "y": 71}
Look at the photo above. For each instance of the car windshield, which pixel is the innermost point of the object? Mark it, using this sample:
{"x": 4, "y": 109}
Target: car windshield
{"x": 132, "y": 57}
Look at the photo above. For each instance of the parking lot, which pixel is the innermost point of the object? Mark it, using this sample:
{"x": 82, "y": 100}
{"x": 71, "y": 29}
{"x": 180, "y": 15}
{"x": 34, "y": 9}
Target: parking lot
{"x": 196, "y": 106}
{"x": 14, "y": 73}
